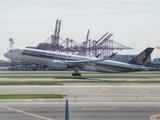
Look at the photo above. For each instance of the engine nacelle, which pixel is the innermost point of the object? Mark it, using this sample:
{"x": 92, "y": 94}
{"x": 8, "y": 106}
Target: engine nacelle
{"x": 59, "y": 65}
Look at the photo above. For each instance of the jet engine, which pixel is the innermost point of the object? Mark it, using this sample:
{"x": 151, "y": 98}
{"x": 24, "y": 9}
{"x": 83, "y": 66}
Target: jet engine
{"x": 59, "y": 65}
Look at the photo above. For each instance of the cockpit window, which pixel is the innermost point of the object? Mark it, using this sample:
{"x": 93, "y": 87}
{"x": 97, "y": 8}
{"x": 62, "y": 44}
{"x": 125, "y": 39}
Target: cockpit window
{"x": 11, "y": 51}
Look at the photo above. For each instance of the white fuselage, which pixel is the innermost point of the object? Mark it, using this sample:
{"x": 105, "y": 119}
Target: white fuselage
{"x": 48, "y": 57}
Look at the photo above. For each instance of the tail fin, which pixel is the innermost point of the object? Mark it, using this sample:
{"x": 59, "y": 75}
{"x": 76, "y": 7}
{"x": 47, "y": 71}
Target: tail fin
{"x": 67, "y": 111}
{"x": 142, "y": 57}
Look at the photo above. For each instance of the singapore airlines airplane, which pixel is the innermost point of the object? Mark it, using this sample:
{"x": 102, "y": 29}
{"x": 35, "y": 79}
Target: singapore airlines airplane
{"x": 62, "y": 61}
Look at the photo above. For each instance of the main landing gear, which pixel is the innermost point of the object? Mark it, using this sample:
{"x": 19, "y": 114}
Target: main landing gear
{"x": 76, "y": 73}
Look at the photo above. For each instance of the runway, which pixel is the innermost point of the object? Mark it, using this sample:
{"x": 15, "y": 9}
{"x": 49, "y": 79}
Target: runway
{"x": 87, "y": 101}
{"x": 110, "y": 92}
{"x": 79, "y": 110}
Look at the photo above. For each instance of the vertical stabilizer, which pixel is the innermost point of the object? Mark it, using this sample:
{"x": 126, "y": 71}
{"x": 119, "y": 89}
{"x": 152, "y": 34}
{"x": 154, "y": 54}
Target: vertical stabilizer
{"x": 67, "y": 111}
{"x": 142, "y": 57}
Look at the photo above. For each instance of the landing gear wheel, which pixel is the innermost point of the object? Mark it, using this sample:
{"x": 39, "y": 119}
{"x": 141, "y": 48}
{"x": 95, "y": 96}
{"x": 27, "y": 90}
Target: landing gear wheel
{"x": 76, "y": 74}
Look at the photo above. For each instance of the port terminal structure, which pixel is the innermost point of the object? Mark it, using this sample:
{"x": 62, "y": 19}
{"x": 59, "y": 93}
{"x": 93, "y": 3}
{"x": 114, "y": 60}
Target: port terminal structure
{"x": 104, "y": 46}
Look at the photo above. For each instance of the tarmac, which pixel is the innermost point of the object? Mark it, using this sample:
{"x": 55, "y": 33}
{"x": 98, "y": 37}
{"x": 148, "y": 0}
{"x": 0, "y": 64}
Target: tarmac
{"x": 87, "y": 101}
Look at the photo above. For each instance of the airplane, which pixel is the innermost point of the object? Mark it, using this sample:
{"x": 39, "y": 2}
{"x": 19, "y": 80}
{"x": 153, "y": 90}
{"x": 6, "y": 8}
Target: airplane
{"x": 63, "y": 61}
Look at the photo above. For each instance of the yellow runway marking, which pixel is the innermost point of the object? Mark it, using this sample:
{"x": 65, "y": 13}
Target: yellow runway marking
{"x": 34, "y": 115}
{"x": 129, "y": 80}
{"x": 22, "y": 80}
{"x": 154, "y": 117}
{"x": 28, "y": 100}
{"x": 104, "y": 89}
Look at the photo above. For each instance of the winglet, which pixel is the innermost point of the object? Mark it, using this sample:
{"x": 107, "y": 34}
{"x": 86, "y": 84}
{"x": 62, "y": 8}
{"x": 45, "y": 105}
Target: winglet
{"x": 112, "y": 55}
{"x": 142, "y": 57}
{"x": 97, "y": 56}
{"x": 67, "y": 111}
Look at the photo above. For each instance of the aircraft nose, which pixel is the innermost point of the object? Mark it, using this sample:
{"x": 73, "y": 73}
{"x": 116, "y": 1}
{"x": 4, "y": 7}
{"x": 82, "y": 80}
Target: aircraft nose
{"x": 5, "y": 54}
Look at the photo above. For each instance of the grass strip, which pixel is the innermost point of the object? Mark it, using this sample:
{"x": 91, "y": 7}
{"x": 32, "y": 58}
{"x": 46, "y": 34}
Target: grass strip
{"x": 29, "y": 96}
{"x": 30, "y": 83}
{"x": 112, "y": 81}
{"x": 82, "y": 77}
{"x": 86, "y": 77}
{"x": 78, "y": 81}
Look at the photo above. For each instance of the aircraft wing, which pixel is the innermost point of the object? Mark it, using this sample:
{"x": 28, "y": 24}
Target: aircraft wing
{"x": 83, "y": 63}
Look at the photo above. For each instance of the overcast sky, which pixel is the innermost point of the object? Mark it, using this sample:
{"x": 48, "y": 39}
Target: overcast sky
{"x": 133, "y": 23}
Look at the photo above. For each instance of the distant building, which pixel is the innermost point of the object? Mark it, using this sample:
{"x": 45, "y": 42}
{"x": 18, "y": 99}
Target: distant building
{"x": 3, "y": 61}
{"x": 156, "y": 60}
